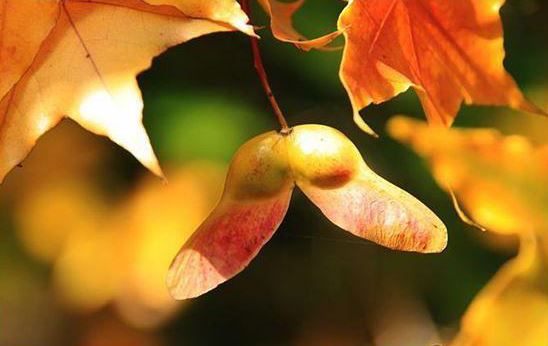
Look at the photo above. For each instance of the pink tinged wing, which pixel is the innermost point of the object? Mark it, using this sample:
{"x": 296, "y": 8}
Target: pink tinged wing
{"x": 225, "y": 243}
{"x": 372, "y": 208}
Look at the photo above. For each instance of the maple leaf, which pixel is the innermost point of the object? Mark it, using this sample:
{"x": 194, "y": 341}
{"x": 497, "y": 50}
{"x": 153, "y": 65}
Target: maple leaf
{"x": 223, "y": 11}
{"x": 19, "y": 42}
{"x": 281, "y": 24}
{"x": 79, "y": 59}
{"x": 448, "y": 51}
{"x": 513, "y": 307}
{"x": 501, "y": 181}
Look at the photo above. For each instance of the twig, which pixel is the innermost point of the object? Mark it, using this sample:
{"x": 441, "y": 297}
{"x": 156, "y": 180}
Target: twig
{"x": 258, "y": 63}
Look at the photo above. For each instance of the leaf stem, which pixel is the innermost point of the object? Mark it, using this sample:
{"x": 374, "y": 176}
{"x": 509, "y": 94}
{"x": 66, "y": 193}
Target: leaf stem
{"x": 258, "y": 63}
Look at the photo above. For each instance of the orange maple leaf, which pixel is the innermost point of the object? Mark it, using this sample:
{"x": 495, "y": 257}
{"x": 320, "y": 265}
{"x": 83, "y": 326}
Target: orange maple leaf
{"x": 448, "y": 51}
{"x": 281, "y": 24}
{"x": 19, "y": 42}
{"x": 79, "y": 59}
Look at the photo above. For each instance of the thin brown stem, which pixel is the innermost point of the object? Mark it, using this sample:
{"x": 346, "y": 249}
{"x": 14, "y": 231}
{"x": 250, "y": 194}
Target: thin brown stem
{"x": 258, "y": 63}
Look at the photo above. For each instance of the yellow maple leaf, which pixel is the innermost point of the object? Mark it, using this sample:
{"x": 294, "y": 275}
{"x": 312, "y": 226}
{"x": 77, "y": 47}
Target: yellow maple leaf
{"x": 512, "y": 309}
{"x": 84, "y": 67}
{"x": 501, "y": 181}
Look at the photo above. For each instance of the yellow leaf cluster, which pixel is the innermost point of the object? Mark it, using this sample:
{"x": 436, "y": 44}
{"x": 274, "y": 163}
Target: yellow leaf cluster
{"x": 106, "y": 248}
{"x": 502, "y": 184}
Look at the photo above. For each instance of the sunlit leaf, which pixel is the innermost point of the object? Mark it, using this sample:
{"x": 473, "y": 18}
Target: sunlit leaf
{"x": 501, "y": 181}
{"x": 513, "y": 307}
{"x": 19, "y": 41}
{"x": 85, "y": 68}
{"x": 224, "y": 11}
{"x": 448, "y": 51}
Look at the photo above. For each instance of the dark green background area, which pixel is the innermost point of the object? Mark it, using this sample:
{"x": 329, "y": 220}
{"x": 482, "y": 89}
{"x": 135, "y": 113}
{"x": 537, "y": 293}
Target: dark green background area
{"x": 203, "y": 100}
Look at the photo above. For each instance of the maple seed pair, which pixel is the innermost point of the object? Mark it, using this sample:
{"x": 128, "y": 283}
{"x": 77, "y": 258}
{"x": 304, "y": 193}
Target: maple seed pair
{"x": 329, "y": 169}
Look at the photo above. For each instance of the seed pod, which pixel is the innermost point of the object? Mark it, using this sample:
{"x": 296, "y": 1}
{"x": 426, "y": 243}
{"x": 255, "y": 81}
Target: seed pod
{"x": 329, "y": 169}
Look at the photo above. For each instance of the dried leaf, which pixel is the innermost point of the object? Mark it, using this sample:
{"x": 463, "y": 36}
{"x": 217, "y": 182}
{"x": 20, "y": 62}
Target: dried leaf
{"x": 281, "y": 23}
{"x": 86, "y": 66}
{"x": 448, "y": 51}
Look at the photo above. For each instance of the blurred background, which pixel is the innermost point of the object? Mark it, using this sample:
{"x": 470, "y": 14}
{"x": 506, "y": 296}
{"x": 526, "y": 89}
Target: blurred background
{"x": 87, "y": 233}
